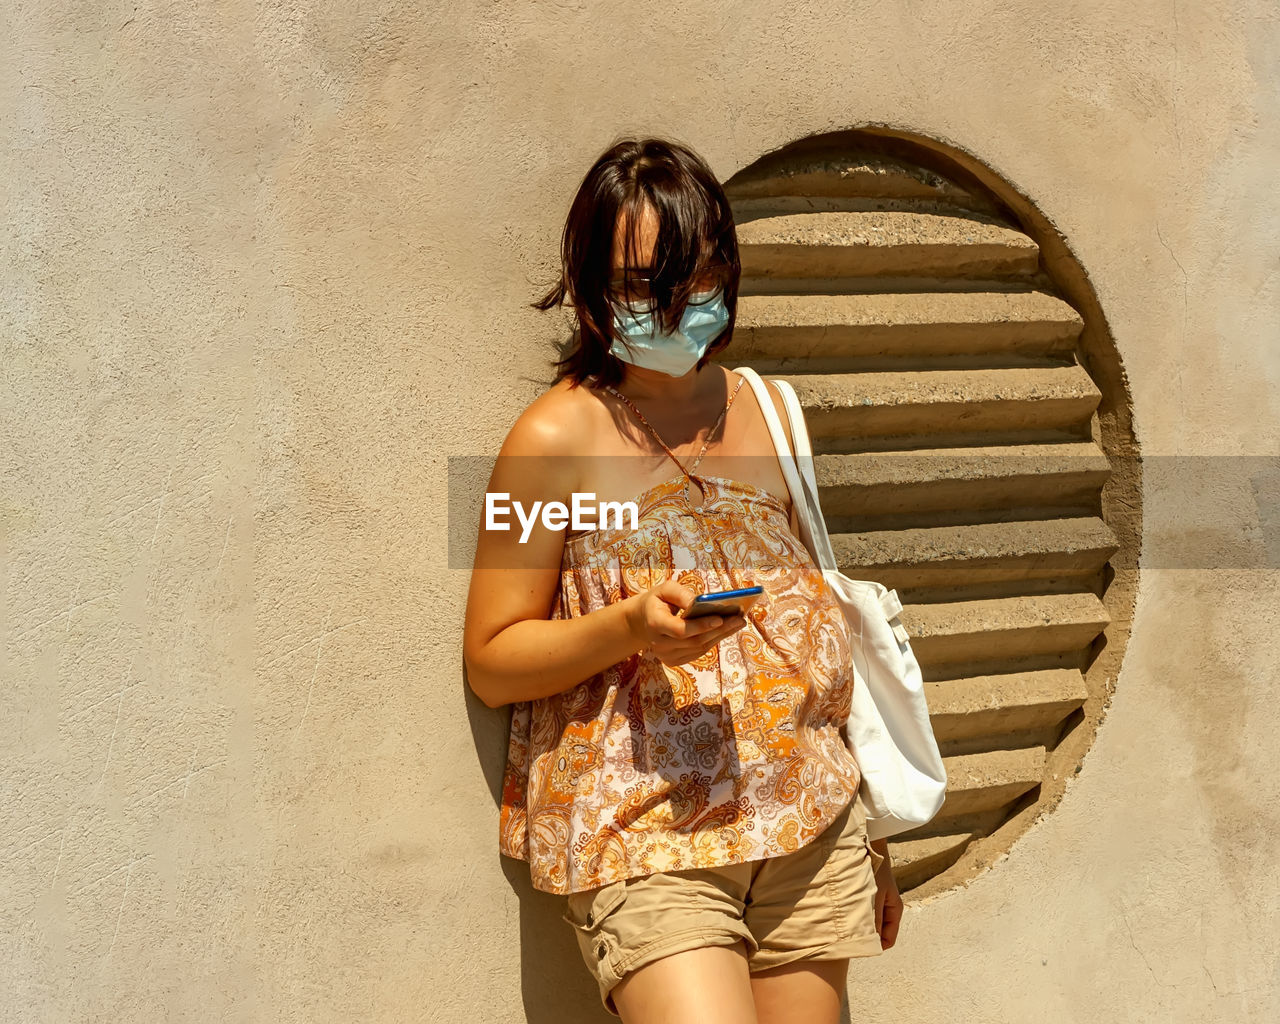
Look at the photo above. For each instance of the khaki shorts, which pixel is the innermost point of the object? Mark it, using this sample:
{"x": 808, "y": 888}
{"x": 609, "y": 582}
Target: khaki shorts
{"x": 815, "y": 904}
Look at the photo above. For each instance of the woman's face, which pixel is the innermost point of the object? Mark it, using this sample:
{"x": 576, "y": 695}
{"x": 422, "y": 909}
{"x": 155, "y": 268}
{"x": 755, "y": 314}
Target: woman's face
{"x": 646, "y": 242}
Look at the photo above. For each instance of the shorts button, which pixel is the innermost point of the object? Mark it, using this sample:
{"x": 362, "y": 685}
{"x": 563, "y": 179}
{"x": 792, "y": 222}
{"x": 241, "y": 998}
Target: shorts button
{"x": 601, "y": 950}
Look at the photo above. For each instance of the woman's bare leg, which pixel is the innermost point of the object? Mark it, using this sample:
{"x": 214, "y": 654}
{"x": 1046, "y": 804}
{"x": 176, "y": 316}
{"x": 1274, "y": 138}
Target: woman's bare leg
{"x": 709, "y": 985}
{"x": 805, "y": 992}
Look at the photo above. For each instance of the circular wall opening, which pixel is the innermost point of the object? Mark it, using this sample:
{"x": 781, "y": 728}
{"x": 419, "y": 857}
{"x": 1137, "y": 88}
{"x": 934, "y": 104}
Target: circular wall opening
{"x": 974, "y": 447}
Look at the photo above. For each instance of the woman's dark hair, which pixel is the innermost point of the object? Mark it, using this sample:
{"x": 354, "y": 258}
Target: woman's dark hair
{"x": 695, "y": 233}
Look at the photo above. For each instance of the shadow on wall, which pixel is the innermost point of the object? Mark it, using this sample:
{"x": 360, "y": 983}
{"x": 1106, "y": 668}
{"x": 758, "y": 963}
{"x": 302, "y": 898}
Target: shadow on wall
{"x": 554, "y": 983}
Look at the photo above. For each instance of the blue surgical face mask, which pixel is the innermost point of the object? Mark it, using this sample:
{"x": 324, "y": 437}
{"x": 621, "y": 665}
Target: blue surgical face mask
{"x": 676, "y": 353}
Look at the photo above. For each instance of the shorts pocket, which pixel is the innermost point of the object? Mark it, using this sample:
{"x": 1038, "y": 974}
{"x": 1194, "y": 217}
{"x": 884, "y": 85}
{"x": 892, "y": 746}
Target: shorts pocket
{"x": 585, "y": 910}
{"x": 588, "y": 912}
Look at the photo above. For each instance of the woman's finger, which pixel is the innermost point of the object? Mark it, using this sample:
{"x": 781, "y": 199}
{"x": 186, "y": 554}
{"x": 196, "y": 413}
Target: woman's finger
{"x": 685, "y": 629}
{"x": 674, "y": 593}
{"x": 724, "y": 625}
{"x": 678, "y": 651}
{"x": 730, "y": 626}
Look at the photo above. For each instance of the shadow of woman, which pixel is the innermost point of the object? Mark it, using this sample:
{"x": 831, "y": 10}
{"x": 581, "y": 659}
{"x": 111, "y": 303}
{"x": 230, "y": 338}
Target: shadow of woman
{"x": 554, "y": 983}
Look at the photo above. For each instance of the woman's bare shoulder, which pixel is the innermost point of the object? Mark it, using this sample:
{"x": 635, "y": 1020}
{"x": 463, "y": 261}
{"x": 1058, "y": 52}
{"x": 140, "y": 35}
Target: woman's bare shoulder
{"x": 557, "y": 422}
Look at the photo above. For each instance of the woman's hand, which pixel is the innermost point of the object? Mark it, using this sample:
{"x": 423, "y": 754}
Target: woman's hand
{"x": 672, "y": 639}
{"x": 888, "y": 905}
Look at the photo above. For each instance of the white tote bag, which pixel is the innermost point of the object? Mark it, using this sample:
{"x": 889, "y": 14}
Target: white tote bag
{"x": 903, "y": 780}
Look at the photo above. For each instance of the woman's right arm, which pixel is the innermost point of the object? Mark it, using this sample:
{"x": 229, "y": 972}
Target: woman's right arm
{"x": 513, "y": 651}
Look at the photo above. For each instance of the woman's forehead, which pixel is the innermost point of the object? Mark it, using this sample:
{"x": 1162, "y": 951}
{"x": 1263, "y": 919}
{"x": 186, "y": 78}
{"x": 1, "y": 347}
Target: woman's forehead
{"x": 646, "y": 229}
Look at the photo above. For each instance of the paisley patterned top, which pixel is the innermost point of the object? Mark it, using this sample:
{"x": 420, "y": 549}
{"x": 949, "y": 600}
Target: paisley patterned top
{"x": 734, "y": 757}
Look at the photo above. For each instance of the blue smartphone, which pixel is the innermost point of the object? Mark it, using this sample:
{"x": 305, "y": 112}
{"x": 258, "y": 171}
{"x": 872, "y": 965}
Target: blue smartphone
{"x": 725, "y": 602}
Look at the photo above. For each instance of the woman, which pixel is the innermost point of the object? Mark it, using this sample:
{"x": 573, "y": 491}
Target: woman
{"x": 683, "y": 782}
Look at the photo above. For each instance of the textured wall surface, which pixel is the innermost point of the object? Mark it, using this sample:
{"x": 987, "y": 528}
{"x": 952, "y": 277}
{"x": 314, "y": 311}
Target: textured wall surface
{"x": 264, "y": 268}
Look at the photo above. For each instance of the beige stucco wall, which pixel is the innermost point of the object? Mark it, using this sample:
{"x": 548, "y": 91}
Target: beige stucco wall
{"x": 263, "y": 270}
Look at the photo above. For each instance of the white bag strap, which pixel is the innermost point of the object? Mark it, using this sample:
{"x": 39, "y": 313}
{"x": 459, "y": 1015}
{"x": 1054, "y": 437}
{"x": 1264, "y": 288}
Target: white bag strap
{"x": 808, "y": 478}
{"x": 802, "y": 481}
{"x": 799, "y": 474}
{"x": 765, "y": 401}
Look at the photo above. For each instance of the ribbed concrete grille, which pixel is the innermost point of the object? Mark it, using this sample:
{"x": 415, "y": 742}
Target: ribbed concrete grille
{"x": 958, "y": 453}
